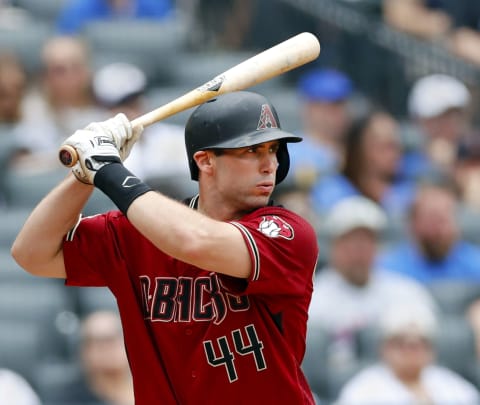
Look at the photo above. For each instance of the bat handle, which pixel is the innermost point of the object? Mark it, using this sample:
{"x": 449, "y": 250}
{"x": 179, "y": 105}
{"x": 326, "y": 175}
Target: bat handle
{"x": 68, "y": 155}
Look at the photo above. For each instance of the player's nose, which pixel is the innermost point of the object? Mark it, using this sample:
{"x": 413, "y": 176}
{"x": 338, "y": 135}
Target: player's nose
{"x": 269, "y": 163}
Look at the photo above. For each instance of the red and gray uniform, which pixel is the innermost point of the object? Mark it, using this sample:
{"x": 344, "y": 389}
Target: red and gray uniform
{"x": 198, "y": 337}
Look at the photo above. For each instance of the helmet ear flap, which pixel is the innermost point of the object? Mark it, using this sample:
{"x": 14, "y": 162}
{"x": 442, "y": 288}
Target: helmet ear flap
{"x": 193, "y": 168}
{"x": 283, "y": 162}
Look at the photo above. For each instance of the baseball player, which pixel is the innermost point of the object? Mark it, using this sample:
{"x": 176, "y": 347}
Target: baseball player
{"x": 213, "y": 294}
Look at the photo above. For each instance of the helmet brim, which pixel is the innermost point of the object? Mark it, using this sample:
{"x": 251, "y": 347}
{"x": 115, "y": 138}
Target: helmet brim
{"x": 255, "y": 138}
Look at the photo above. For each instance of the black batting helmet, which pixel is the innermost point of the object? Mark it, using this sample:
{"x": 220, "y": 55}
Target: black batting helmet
{"x": 236, "y": 120}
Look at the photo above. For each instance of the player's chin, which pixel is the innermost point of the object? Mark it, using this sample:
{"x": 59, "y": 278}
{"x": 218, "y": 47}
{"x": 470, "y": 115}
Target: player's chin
{"x": 259, "y": 200}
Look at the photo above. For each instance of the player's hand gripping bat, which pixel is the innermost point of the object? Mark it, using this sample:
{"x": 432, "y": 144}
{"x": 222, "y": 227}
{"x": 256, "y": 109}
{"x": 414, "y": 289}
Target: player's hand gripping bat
{"x": 272, "y": 62}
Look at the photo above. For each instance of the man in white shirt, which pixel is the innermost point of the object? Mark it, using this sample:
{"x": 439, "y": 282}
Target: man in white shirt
{"x": 15, "y": 390}
{"x": 350, "y": 293}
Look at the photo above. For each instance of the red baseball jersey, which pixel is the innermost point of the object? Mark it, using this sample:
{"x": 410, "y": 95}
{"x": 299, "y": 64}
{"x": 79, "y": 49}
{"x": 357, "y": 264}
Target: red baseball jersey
{"x": 198, "y": 337}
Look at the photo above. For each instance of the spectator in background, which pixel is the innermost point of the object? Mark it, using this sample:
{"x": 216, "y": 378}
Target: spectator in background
{"x": 13, "y": 83}
{"x": 467, "y": 173}
{"x": 220, "y": 23}
{"x": 325, "y": 115}
{"x": 64, "y": 100}
{"x": 373, "y": 152}
{"x": 15, "y": 390}
{"x": 350, "y": 292}
{"x": 106, "y": 378}
{"x": 438, "y": 106}
{"x": 159, "y": 155}
{"x": 434, "y": 251}
{"x": 454, "y": 24}
{"x": 407, "y": 373}
{"x": 77, "y": 13}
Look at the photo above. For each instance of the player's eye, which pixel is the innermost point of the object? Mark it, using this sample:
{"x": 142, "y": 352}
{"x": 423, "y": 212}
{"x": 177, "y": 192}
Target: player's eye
{"x": 274, "y": 148}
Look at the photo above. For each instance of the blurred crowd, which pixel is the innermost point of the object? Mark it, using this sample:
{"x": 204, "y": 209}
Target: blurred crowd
{"x": 395, "y": 200}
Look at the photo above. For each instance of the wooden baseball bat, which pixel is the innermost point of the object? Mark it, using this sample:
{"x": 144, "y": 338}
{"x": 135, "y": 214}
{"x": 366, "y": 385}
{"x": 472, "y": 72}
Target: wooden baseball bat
{"x": 281, "y": 58}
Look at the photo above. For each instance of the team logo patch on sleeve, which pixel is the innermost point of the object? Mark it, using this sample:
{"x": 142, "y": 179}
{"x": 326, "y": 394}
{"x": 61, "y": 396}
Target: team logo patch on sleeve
{"x": 276, "y": 227}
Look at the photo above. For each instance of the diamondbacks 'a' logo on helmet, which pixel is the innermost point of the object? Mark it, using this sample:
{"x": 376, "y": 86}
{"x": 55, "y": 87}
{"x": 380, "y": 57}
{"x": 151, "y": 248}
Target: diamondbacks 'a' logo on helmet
{"x": 275, "y": 227}
{"x": 267, "y": 119}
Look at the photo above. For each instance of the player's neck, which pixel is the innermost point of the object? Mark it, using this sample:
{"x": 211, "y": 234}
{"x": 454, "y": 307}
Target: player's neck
{"x": 218, "y": 211}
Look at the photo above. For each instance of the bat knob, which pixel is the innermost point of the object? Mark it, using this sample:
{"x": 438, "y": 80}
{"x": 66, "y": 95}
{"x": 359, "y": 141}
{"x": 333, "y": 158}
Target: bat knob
{"x": 68, "y": 155}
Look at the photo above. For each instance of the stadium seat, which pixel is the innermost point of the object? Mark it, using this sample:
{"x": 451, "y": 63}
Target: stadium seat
{"x": 25, "y": 188}
{"x": 368, "y": 341}
{"x": 469, "y": 221}
{"x": 34, "y": 300}
{"x": 98, "y": 203}
{"x": 455, "y": 346}
{"x": 50, "y": 379}
{"x": 337, "y": 378}
{"x": 44, "y": 304}
{"x": 92, "y": 299}
{"x": 209, "y": 64}
{"x": 325, "y": 376}
{"x": 11, "y": 221}
{"x": 26, "y": 43}
{"x": 7, "y": 149}
{"x": 45, "y": 10}
{"x": 454, "y": 297}
{"x": 151, "y": 45}
{"x": 20, "y": 346}
{"x": 10, "y": 271}
{"x": 315, "y": 360}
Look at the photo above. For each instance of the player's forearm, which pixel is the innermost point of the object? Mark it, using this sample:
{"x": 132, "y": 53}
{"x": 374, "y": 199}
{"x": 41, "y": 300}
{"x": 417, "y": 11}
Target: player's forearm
{"x": 190, "y": 236}
{"x": 38, "y": 246}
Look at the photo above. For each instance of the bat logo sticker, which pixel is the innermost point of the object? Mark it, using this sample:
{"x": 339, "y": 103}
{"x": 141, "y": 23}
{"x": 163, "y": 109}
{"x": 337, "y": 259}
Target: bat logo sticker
{"x": 275, "y": 227}
{"x": 213, "y": 85}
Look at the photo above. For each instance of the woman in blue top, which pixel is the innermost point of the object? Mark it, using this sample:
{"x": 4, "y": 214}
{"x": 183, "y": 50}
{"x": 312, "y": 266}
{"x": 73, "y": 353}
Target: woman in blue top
{"x": 370, "y": 168}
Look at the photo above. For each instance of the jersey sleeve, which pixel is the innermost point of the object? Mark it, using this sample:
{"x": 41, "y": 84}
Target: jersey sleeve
{"x": 91, "y": 252}
{"x": 283, "y": 250}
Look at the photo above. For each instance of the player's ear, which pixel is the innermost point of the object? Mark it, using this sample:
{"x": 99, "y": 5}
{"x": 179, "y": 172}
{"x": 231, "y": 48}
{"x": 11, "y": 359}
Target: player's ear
{"x": 204, "y": 161}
